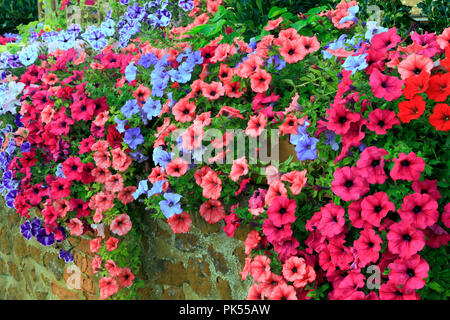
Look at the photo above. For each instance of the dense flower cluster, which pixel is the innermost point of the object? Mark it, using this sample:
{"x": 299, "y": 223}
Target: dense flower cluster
{"x": 101, "y": 120}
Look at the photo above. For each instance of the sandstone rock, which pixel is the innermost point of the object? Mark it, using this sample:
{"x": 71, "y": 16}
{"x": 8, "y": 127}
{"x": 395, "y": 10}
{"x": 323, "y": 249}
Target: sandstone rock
{"x": 63, "y": 293}
{"x": 198, "y": 274}
{"x": 5, "y": 245}
{"x": 171, "y": 273}
{"x": 173, "y": 293}
{"x": 224, "y": 289}
{"x": 219, "y": 260}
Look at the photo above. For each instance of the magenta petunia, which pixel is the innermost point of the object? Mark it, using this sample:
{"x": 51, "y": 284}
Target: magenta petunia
{"x": 427, "y": 186}
{"x": 348, "y": 183}
{"x": 368, "y": 247}
{"x": 392, "y": 291}
{"x": 382, "y": 120}
{"x": 274, "y": 233}
{"x": 371, "y": 165}
{"x": 404, "y": 239}
{"x": 385, "y": 87}
{"x": 419, "y": 210}
{"x": 282, "y": 211}
{"x": 407, "y": 167}
{"x": 375, "y": 207}
{"x": 332, "y": 221}
{"x": 340, "y": 118}
{"x": 410, "y": 273}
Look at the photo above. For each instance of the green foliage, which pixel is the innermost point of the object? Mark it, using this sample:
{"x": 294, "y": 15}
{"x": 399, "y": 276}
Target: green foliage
{"x": 438, "y": 14}
{"x": 254, "y": 14}
{"x": 391, "y": 14}
{"x": 16, "y": 12}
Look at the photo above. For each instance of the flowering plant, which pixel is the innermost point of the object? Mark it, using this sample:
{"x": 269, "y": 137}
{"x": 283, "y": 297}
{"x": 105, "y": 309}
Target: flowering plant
{"x": 291, "y": 132}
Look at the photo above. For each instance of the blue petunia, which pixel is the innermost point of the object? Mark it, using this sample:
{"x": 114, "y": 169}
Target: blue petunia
{"x": 120, "y": 124}
{"x": 352, "y": 15}
{"x": 186, "y": 5}
{"x": 66, "y": 255}
{"x": 45, "y": 239}
{"x": 129, "y": 108}
{"x": 65, "y": 40}
{"x": 161, "y": 157}
{"x": 157, "y": 188}
{"x": 151, "y": 108}
{"x": 28, "y": 55}
{"x": 133, "y": 137}
{"x": 306, "y": 149}
{"x": 108, "y": 27}
{"x": 355, "y": 63}
{"x": 142, "y": 189}
{"x": 330, "y": 139}
{"x": 170, "y": 205}
{"x": 147, "y": 60}
{"x": 130, "y": 72}
{"x": 25, "y": 230}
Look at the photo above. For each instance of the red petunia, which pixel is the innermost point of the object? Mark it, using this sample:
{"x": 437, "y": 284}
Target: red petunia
{"x": 411, "y": 109}
{"x": 439, "y": 87}
{"x": 260, "y": 80}
{"x": 414, "y": 65}
{"x": 125, "y": 278}
{"x": 213, "y": 90}
{"x": 212, "y": 211}
{"x": 121, "y": 225}
{"x": 416, "y": 84}
{"x": 180, "y": 223}
{"x": 183, "y": 110}
{"x": 293, "y": 50}
{"x": 177, "y": 167}
{"x": 440, "y": 118}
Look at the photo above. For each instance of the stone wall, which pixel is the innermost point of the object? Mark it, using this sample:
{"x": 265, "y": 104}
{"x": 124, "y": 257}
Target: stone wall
{"x": 203, "y": 264}
{"x": 29, "y": 270}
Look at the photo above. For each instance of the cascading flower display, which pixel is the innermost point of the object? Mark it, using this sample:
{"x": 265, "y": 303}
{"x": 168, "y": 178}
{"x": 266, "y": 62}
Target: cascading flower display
{"x": 325, "y": 134}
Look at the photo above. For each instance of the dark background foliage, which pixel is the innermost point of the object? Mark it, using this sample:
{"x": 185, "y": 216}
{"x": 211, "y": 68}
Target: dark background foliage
{"x": 16, "y": 12}
{"x": 253, "y": 13}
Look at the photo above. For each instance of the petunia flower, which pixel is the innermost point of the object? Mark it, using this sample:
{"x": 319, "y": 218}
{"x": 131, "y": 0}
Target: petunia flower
{"x": 384, "y": 86}
{"x": 407, "y": 167}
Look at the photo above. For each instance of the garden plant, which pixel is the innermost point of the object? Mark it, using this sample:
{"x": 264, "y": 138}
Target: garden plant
{"x": 322, "y": 130}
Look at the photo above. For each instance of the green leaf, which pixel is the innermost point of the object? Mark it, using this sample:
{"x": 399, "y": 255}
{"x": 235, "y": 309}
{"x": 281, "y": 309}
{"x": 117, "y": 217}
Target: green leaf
{"x": 316, "y": 10}
{"x": 299, "y": 24}
{"x": 259, "y": 4}
{"x": 219, "y": 14}
{"x": 436, "y": 287}
{"x": 275, "y": 11}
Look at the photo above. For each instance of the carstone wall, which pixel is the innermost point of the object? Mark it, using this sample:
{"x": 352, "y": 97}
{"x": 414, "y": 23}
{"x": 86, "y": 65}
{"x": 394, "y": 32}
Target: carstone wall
{"x": 202, "y": 264}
